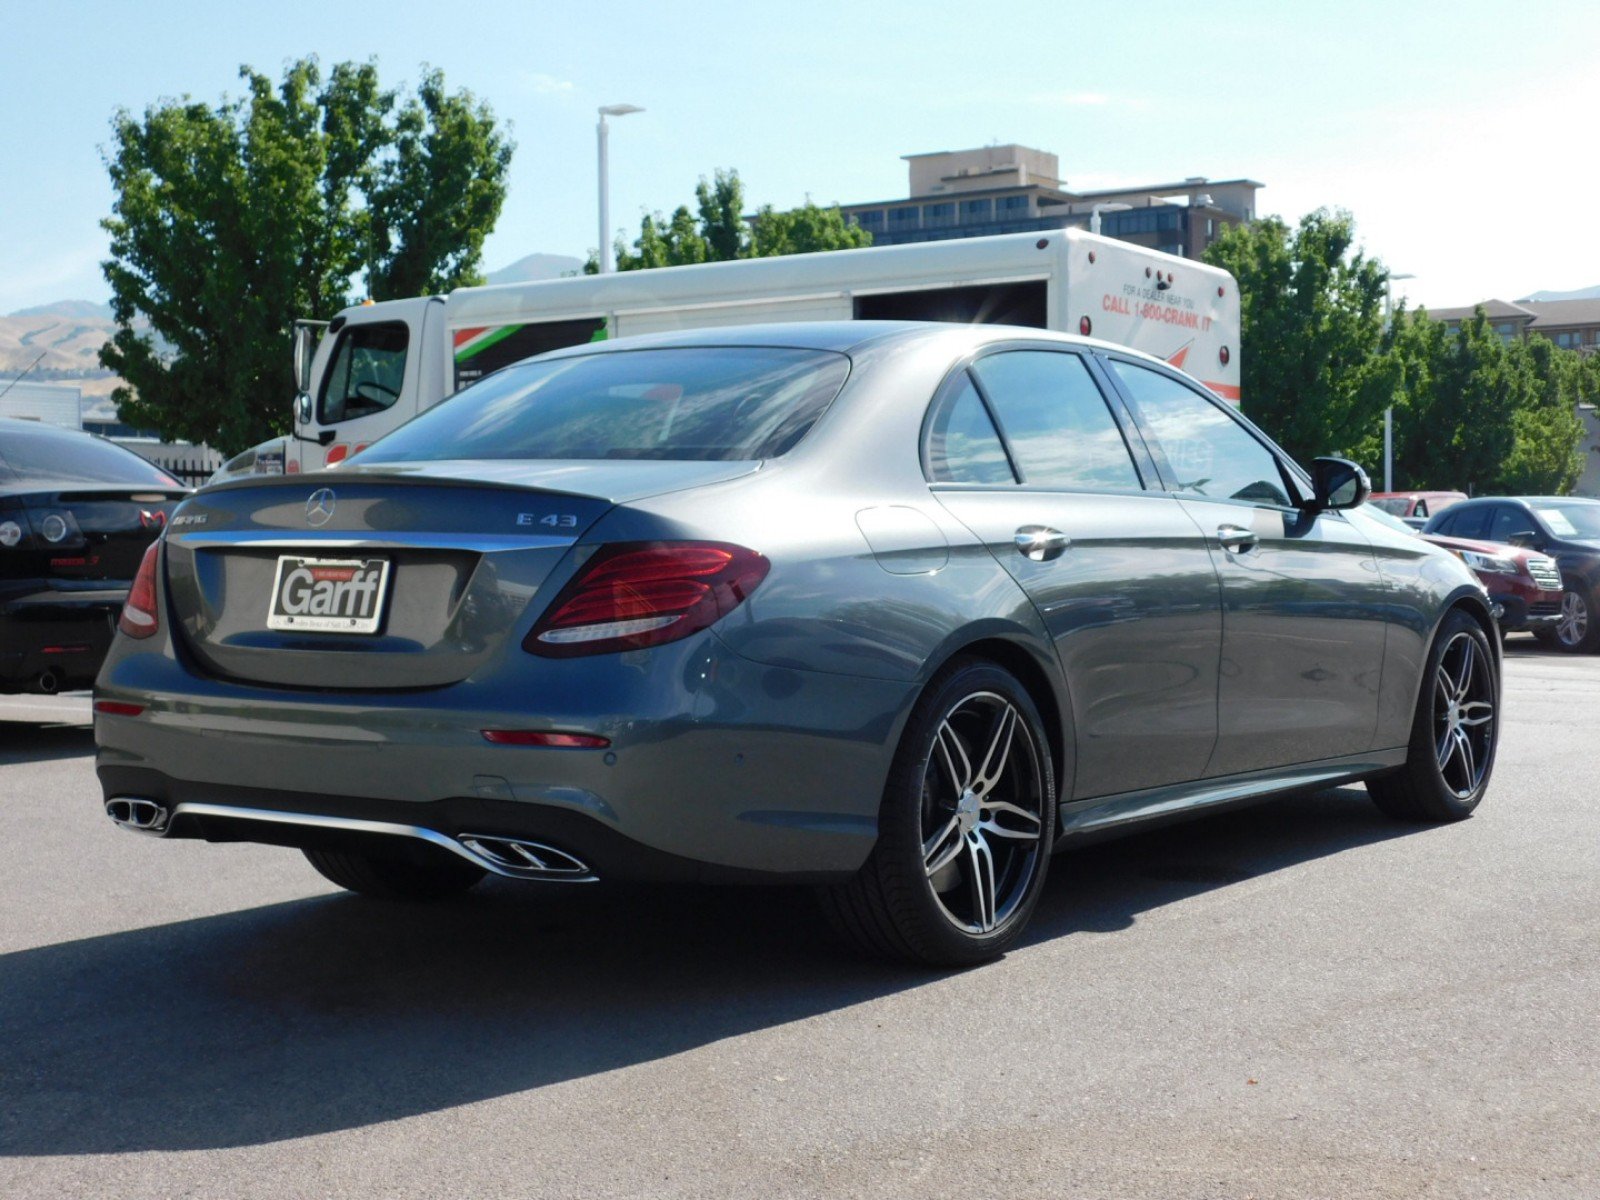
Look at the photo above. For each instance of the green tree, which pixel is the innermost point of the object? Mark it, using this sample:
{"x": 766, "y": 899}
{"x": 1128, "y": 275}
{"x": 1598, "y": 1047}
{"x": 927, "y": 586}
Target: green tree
{"x": 230, "y": 222}
{"x": 719, "y": 232}
{"x": 1480, "y": 414}
{"x": 804, "y": 230}
{"x": 1314, "y": 373}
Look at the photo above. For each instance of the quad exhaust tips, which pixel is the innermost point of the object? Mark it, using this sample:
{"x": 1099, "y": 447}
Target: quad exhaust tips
{"x": 513, "y": 858}
{"x": 138, "y": 814}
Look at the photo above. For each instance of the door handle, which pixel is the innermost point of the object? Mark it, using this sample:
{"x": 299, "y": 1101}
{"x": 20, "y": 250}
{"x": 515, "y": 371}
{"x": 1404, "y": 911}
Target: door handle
{"x": 1236, "y": 539}
{"x": 1041, "y": 543}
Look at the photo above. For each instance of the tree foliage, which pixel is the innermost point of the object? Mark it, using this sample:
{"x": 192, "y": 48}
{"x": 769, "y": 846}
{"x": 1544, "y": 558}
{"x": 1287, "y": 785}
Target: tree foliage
{"x": 230, "y": 222}
{"x": 1312, "y": 369}
{"x": 716, "y": 231}
{"x": 1321, "y": 364}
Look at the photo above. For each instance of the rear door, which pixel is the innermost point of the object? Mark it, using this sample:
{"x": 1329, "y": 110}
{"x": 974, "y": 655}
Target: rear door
{"x": 1025, "y": 449}
{"x": 1304, "y": 605}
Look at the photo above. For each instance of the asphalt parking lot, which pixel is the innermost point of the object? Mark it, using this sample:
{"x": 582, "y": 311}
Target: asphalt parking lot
{"x": 1300, "y": 1000}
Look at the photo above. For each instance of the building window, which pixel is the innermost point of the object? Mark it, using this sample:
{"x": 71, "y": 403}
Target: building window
{"x": 1175, "y": 248}
{"x": 1011, "y": 206}
{"x": 973, "y": 211}
{"x": 903, "y": 218}
{"x": 935, "y": 216}
{"x": 1568, "y": 339}
{"x": 871, "y": 220}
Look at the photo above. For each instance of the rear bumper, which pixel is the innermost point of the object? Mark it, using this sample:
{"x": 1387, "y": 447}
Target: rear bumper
{"x": 718, "y": 768}
{"x": 64, "y": 634}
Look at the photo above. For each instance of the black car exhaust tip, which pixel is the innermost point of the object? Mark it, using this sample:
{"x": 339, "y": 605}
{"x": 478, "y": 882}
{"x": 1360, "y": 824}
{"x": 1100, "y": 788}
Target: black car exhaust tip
{"x": 138, "y": 814}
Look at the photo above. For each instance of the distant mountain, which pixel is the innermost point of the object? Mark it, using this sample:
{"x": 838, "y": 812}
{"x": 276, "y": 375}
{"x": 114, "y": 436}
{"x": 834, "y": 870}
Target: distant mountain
{"x": 535, "y": 267}
{"x": 76, "y": 310}
{"x": 1588, "y": 293}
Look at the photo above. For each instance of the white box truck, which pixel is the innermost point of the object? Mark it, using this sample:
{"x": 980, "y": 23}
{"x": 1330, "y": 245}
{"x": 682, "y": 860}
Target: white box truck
{"x": 379, "y": 365}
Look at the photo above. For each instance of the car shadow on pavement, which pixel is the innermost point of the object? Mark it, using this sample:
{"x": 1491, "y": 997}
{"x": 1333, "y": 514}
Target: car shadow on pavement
{"x": 333, "y": 1012}
{"x": 26, "y": 743}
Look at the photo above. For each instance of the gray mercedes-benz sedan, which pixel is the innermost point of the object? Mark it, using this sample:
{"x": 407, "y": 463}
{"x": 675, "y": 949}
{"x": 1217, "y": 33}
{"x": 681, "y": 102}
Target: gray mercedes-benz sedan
{"x": 893, "y": 609}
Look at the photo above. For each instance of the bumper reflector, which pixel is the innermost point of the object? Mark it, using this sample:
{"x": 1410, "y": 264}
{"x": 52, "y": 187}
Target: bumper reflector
{"x": 116, "y": 708}
{"x": 544, "y": 737}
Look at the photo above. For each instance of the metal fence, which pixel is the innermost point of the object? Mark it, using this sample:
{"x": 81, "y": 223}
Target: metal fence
{"x": 190, "y": 471}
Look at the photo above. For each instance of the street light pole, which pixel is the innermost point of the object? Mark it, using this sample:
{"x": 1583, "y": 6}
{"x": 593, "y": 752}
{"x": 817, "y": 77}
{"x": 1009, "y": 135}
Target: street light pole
{"x": 602, "y": 132}
{"x": 1388, "y": 413}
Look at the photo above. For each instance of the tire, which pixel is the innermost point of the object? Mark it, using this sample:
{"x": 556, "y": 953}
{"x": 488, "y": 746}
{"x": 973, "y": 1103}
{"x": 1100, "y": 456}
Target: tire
{"x": 964, "y": 838}
{"x": 1454, "y": 733}
{"x": 1578, "y": 631}
{"x": 434, "y": 876}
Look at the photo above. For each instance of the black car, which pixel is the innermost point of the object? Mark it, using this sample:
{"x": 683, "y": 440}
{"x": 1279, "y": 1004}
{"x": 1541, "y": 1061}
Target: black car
{"x": 77, "y": 514}
{"x": 1565, "y": 527}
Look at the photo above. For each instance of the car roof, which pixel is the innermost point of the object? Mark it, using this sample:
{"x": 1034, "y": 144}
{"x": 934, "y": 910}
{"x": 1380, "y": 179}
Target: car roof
{"x": 846, "y": 337}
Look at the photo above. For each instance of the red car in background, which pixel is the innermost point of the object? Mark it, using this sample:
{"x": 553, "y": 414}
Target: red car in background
{"x": 1414, "y": 508}
{"x": 1524, "y": 585}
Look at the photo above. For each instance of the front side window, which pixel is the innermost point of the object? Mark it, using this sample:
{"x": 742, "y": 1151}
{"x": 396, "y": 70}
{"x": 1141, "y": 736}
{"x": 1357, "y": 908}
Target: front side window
{"x": 1056, "y": 421}
{"x": 1210, "y": 454}
{"x": 367, "y": 373}
{"x": 963, "y": 446}
{"x": 695, "y": 403}
{"x": 1472, "y": 522}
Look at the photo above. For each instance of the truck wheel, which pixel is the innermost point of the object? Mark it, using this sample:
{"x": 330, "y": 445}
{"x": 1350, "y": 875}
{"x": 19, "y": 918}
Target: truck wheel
{"x": 1454, "y": 733}
{"x": 965, "y": 831}
{"x": 395, "y": 878}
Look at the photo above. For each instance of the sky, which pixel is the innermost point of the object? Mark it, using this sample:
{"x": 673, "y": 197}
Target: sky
{"x": 1462, "y": 136}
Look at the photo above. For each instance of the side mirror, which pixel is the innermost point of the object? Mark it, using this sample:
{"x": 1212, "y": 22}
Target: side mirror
{"x": 302, "y": 409}
{"x": 305, "y": 345}
{"x": 1527, "y": 539}
{"x": 1339, "y": 483}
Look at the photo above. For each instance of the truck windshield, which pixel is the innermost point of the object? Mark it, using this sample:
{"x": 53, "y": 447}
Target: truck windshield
{"x": 699, "y": 403}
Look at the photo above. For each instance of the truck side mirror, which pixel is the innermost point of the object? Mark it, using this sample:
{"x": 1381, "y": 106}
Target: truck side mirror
{"x": 1339, "y": 483}
{"x": 304, "y": 347}
{"x": 302, "y": 409}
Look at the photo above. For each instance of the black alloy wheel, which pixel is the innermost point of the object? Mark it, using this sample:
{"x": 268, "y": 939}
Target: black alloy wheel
{"x": 966, "y": 830}
{"x": 1454, "y": 733}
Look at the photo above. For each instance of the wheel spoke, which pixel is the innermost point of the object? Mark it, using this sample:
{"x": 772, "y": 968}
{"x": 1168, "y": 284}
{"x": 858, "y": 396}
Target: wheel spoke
{"x": 1481, "y": 713}
{"x": 942, "y": 847}
{"x": 1469, "y": 762}
{"x": 958, "y": 767}
{"x": 994, "y": 758}
{"x": 1469, "y": 653}
{"x": 980, "y": 871}
{"x": 1025, "y": 825}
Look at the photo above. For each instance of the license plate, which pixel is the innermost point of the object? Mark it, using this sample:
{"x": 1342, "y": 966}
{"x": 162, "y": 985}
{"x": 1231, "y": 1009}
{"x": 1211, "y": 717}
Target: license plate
{"x": 328, "y": 595}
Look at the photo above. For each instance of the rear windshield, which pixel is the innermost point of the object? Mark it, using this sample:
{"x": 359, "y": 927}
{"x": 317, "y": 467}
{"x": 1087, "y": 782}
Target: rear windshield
{"x": 699, "y": 403}
{"x": 1396, "y": 506}
{"x": 58, "y": 456}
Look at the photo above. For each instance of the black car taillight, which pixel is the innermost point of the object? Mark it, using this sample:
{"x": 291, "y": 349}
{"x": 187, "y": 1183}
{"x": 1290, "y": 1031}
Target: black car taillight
{"x": 636, "y": 594}
{"x": 139, "y": 618}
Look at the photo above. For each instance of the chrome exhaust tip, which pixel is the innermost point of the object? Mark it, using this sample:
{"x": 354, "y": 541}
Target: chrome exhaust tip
{"x": 138, "y": 814}
{"x": 524, "y": 859}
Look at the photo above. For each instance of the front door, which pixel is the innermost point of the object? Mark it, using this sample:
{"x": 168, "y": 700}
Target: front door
{"x": 1304, "y": 605}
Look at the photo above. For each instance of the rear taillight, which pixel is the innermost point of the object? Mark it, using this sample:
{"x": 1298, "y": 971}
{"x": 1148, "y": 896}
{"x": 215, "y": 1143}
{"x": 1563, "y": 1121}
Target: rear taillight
{"x": 637, "y": 594}
{"x": 139, "y": 612}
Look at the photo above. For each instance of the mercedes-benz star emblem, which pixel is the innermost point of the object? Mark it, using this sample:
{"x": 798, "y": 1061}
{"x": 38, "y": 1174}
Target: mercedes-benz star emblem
{"x": 319, "y": 507}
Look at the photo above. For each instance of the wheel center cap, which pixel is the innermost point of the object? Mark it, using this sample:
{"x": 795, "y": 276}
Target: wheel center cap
{"x": 967, "y": 811}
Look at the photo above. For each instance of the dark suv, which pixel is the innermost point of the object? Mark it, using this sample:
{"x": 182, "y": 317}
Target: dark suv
{"x": 1565, "y": 527}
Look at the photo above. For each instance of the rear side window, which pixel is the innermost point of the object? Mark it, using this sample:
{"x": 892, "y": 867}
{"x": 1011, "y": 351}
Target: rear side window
{"x": 59, "y": 456}
{"x": 1056, "y": 421}
{"x": 1209, "y": 452}
{"x": 367, "y": 374}
{"x": 691, "y": 403}
{"x": 963, "y": 446}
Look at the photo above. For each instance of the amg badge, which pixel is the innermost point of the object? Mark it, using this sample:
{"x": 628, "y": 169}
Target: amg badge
{"x": 325, "y": 595}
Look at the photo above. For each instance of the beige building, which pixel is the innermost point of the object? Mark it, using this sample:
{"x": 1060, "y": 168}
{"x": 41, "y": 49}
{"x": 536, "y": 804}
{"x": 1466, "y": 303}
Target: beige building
{"x": 1570, "y": 324}
{"x": 1017, "y": 189}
